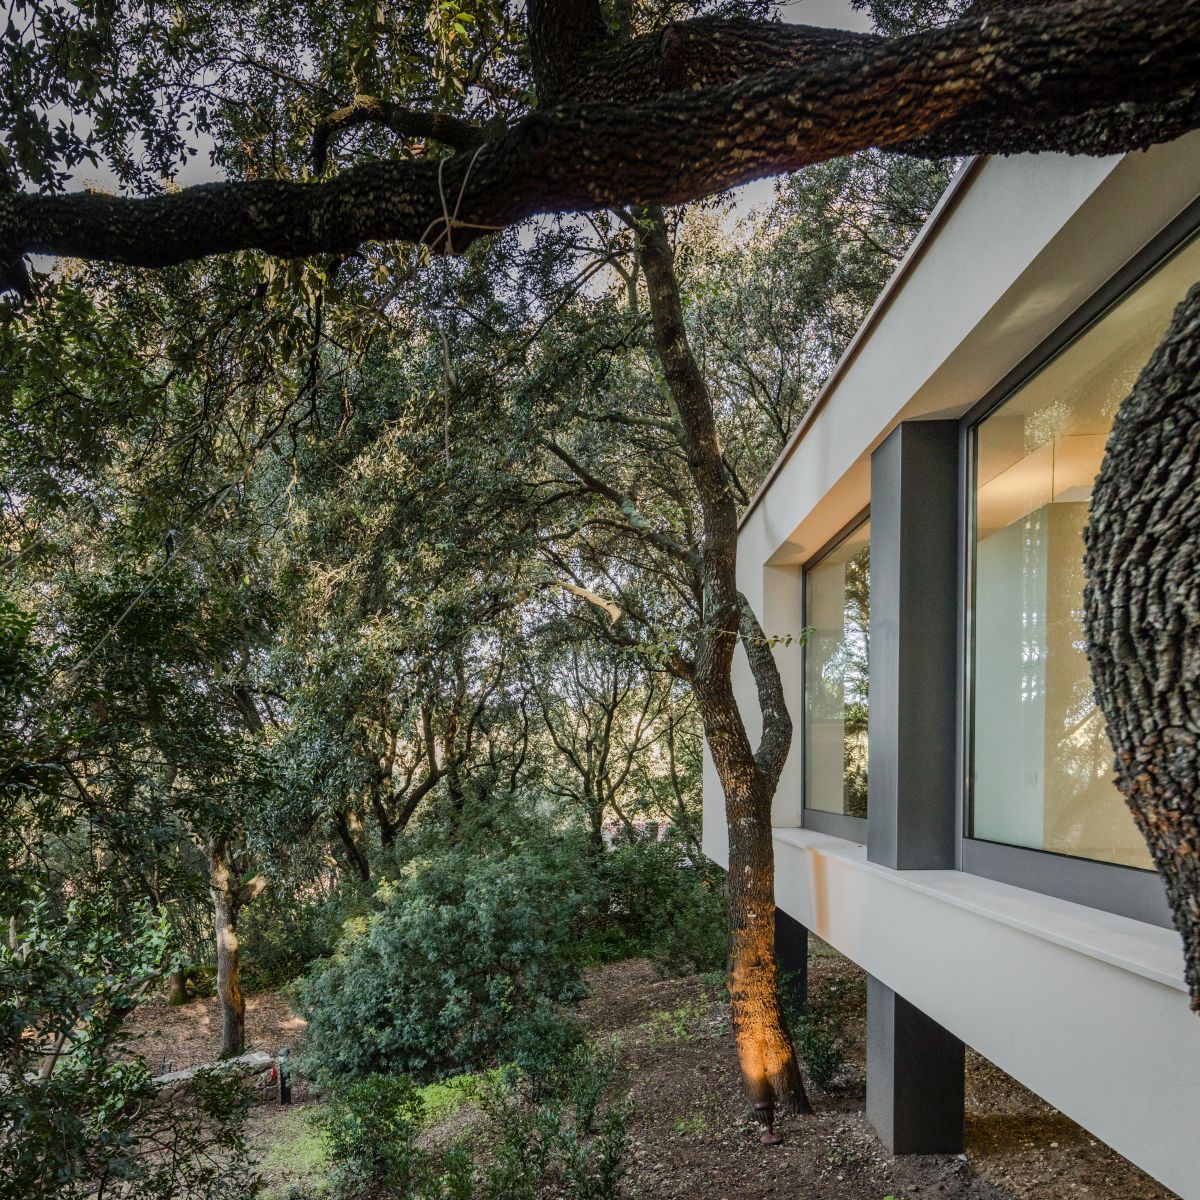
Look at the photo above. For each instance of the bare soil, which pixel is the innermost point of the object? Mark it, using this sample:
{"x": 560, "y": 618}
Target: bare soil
{"x": 189, "y": 1035}
{"x": 693, "y": 1136}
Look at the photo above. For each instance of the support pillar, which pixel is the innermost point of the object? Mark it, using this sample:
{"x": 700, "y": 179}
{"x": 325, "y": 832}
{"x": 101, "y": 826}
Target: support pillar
{"x": 914, "y": 1077}
{"x": 915, "y": 1094}
{"x": 791, "y": 960}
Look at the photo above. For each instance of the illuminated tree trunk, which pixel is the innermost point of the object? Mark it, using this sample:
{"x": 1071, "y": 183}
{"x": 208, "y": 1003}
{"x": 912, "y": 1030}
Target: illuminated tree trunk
{"x": 228, "y": 899}
{"x": 765, "y": 1052}
{"x": 1142, "y": 613}
{"x": 225, "y": 917}
{"x": 748, "y": 776}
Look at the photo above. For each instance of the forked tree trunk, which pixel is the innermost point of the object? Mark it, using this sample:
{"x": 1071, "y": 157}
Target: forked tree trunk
{"x": 1142, "y": 613}
{"x": 748, "y": 777}
{"x": 765, "y": 1052}
{"x": 225, "y": 916}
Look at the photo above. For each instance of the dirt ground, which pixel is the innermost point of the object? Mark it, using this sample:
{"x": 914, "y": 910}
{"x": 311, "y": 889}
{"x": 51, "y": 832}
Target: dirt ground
{"x": 189, "y": 1035}
{"x": 693, "y": 1136}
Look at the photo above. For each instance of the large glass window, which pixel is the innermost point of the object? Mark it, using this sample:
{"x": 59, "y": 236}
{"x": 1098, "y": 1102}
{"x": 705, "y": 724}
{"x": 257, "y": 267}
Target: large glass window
{"x": 1041, "y": 762}
{"x": 837, "y": 591}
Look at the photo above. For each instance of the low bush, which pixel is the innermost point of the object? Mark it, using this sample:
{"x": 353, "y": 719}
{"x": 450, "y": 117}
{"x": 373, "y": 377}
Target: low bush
{"x": 370, "y": 1127}
{"x": 469, "y": 961}
{"x": 651, "y": 900}
{"x": 563, "y": 1133}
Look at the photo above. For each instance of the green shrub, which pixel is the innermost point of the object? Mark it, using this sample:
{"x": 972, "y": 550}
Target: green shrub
{"x": 572, "y": 1129}
{"x": 650, "y": 900}
{"x": 370, "y": 1127}
{"x": 562, "y": 1134}
{"x": 94, "y": 1125}
{"x": 469, "y": 961}
{"x": 819, "y": 1032}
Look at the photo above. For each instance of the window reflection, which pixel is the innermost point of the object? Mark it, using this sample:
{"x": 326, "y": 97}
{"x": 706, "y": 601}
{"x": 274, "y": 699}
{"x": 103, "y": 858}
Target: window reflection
{"x": 1041, "y": 760}
{"x": 837, "y": 598}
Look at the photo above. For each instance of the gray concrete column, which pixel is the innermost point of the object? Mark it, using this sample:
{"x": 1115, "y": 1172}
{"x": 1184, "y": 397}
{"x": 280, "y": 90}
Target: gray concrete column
{"x": 791, "y": 959}
{"x": 915, "y": 1096}
{"x": 914, "y": 1077}
{"x": 912, "y": 723}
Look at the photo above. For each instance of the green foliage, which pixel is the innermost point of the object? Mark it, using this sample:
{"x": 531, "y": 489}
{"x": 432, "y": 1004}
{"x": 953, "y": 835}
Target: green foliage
{"x": 895, "y": 17}
{"x": 652, "y": 900}
{"x": 78, "y": 1108}
{"x": 370, "y": 1125}
{"x": 819, "y": 1033}
{"x": 283, "y": 932}
{"x": 573, "y": 1131}
{"x": 564, "y": 1134}
{"x": 467, "y": 961}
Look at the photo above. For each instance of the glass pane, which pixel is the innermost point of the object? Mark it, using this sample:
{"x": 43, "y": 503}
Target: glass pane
{"x": 1041, "y": 761}
{"x": 838, "y": 607}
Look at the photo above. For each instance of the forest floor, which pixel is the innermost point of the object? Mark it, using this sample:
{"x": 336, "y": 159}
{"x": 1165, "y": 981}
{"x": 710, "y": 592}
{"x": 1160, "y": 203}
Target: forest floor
{"x": 693, "y": 1136}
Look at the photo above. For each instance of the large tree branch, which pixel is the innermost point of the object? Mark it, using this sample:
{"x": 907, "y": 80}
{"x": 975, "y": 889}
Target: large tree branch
{"x": 686, "y": 56}
{"x": 455, "y": 132}
{"x": 1095, "y": 77}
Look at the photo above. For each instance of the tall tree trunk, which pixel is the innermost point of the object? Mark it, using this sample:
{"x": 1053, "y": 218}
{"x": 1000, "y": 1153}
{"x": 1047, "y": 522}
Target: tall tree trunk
{"x": 225, "y": 915}
{"x": 1142, "y": 613}
{"x": 748, "y": 777}
{"x": 765, "y": 1051}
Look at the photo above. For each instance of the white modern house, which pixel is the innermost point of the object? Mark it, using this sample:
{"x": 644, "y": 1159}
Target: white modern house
{"x": 947, "y": 817}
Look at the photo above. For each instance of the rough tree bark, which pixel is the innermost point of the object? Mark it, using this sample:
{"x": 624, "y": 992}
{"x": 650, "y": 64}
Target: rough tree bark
{"x": 748, "y": 777}
{"x": 1085, "y": 77}
{"x": 228, "y": 900}
{"x": 1142, "y": 612}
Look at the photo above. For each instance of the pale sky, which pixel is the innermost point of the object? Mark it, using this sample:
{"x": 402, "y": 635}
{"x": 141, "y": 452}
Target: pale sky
{"x": 835, "y": 13}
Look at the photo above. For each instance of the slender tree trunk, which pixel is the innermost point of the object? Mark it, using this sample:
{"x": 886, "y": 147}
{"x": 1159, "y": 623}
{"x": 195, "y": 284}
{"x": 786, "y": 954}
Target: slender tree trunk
{"x": 225, "y": 916}
{"x": 765, "y": 1051}
{"x": 1142, "y": 613}
{"x": 748, "y": 778}
{"x": 177, "y": 987}
{"x": 350, "y": 837}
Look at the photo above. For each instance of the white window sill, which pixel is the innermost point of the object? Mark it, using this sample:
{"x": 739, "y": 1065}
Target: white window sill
{"x": 1147, "y": 950}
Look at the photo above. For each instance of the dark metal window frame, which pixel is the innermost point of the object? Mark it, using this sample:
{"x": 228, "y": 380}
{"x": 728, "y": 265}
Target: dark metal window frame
{"x": 841, "y": 825}
{"x": 1127, "y": 891}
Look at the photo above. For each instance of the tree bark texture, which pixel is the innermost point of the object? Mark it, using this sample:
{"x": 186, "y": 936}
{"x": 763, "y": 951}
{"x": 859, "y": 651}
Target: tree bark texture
{"x": 1142, "y": 613}
{"x": 766, "y": 1055}
{"x": 1095, "y": 77}
{"x": 748, "y": 778}
{"x": 226, "y": 907}
{"x": 177, "y": 990}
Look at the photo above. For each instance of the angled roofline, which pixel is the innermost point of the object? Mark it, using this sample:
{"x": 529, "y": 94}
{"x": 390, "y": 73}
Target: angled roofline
{"x": 912, "y": 256}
